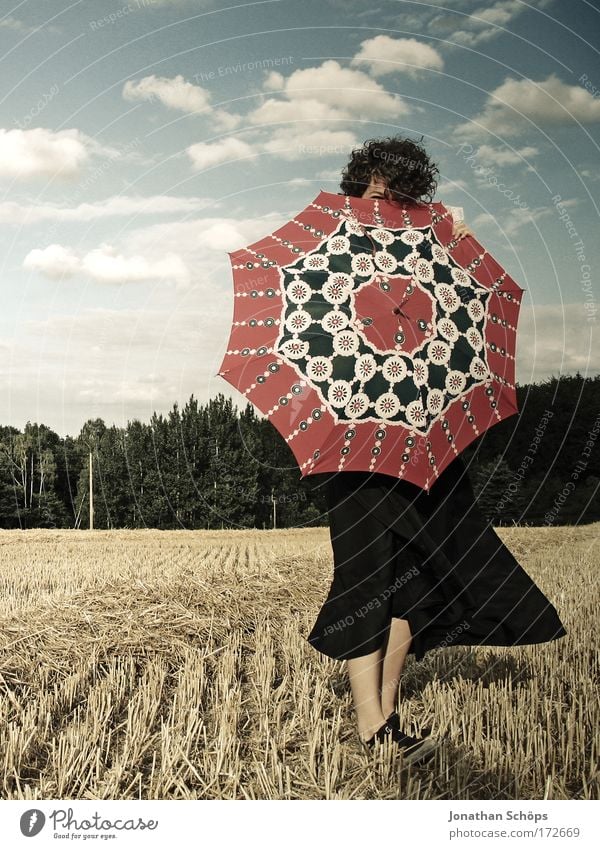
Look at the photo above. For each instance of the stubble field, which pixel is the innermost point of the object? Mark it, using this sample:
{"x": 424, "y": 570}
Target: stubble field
{"x": 174, "y": 665}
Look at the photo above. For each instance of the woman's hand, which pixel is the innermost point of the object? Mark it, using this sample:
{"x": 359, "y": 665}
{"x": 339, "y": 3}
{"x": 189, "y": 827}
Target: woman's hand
{"x": 460, "y": 230}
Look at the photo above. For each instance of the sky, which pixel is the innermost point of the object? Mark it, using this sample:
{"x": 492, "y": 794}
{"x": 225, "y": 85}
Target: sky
{"x": 141, "y": 141}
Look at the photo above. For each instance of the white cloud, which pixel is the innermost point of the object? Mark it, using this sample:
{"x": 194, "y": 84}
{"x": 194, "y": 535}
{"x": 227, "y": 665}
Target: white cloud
{"x": 41, "y": 152}
{"x": 199, "y": 245}
{"x": 177, "y": 93}
{"x": 304, "y": 121}
{"x": 55, "y": 261}
{"x": 545, "y": 103}
{"x": 481, "y": 25}
{"x": 205, "y": 154}
{"x": 594, "y": 176}
{"x": 173, "y": 92}
{"x": 12, "y": 212}
{"x": 341, "y": 92}
{"x": 274, "y": 81}
{"x": 12, "y": 23}
{"x": 386, "y": 55}
{"x": 505, "y": 156}
{"x": 298, "y": 118}
{"x": 105, "y": 265}
{"x": 274, "y": 111}
{"x": 499, "y": 14}
{"x": 224, "y": 121}
{"x": 17, "y": 25}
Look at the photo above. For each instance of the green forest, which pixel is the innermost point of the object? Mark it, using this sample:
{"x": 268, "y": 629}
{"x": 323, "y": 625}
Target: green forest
{"x": 211, "y": 465}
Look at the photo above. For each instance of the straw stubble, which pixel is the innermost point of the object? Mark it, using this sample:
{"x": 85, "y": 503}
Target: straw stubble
{"x": 174, "y": 665}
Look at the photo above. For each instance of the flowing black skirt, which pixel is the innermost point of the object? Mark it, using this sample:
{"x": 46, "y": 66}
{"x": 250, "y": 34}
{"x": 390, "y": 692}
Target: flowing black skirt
{"x": 430, "y": 558}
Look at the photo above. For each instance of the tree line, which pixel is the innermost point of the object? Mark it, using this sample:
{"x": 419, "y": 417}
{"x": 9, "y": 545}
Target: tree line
{"x": 211, "y": 465}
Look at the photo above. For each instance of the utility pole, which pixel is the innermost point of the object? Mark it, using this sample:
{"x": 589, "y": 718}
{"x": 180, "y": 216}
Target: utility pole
{"x": 91, "y": 495}
{"x": 274, "y": 509}
{"x": 216, "y": 471}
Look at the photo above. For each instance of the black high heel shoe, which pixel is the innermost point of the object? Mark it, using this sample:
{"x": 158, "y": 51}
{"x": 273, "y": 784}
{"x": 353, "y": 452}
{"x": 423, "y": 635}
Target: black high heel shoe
{"x": 394, "y": 720}
{"x": 414, "y": 749}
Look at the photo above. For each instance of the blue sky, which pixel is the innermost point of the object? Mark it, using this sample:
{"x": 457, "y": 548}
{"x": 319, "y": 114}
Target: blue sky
{"x": 140, "y": 141}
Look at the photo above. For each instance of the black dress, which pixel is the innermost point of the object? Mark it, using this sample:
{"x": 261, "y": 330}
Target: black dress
{"x": 430, "y": 558}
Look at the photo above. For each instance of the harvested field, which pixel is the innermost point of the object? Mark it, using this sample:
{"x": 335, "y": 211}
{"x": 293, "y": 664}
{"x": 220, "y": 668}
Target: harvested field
{"x": 174, "y": 665}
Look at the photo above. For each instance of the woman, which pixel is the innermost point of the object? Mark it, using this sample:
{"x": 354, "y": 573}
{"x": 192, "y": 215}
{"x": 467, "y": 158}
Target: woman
{"x": 413, "y": 570}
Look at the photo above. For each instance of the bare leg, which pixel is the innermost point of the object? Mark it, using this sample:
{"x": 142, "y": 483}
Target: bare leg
{"x": 365, "y": 682}
{"x": 398, "y": 644}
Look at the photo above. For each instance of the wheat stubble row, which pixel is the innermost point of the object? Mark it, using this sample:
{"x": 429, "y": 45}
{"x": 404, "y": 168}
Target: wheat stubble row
{"x": 174, "y": 665}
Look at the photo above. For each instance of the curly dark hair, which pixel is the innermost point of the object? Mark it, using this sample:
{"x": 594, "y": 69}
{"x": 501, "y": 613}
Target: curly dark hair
{"x": 401, "y": 162}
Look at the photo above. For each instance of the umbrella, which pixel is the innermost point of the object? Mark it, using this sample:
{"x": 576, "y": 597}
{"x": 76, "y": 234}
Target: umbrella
{"x": 370, "y": 339}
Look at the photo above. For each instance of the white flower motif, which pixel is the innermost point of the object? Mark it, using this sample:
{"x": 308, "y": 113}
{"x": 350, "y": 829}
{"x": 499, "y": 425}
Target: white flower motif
{"x": 298, "y": 321}
{"x": 298, "y": 292}
{"x": 362, "y": 264}
{"x": 455, "y": 382}
{"x": 365, "y": 367}
{"x": 353, "y": 226}
{"x": 316, "y": 262}
{"x": 448, "y": 329}
{"x": 410, "y": 261}
{"x": 439, "y": 254}
{"x": 415, "y": 414}
{"x": 387, "y": 405}
{"x": 438, "y": 352}
{"x": 339, "y": 393}
{"x": 338, "y": 244}
{"x": 447, "y": 297}
{"x": 394, "y": 369}
{"x": 411, "y": 237}
{"x": 386, "y": 261}
{"x": 423, "y": 270}
{"x": 337, "y": 288}
{"x": 319, "y": 368}
{"x": 294, "y": 349}
{"x": 475, "y": 309}
{"x": 435, "y": 401}
{"x": 478, "y": 369}
{"x": 474, "y": 338}
{"x": 357, "y": 405}
{"x": 460, "y": 276}
{"x": 420, "y": 372}
{"x": 334, "y": 320}
{"x": 384, "y": 237}
{"x": 346, "y": 343}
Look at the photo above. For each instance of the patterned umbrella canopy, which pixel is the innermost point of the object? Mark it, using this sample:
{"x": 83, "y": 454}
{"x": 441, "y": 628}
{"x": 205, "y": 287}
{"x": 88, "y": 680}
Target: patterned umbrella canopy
{"x": 371, "y": 339}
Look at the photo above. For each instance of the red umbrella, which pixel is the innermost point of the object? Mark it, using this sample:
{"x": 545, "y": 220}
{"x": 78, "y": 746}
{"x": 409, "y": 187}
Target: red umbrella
{"x": 371, "y": 340}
